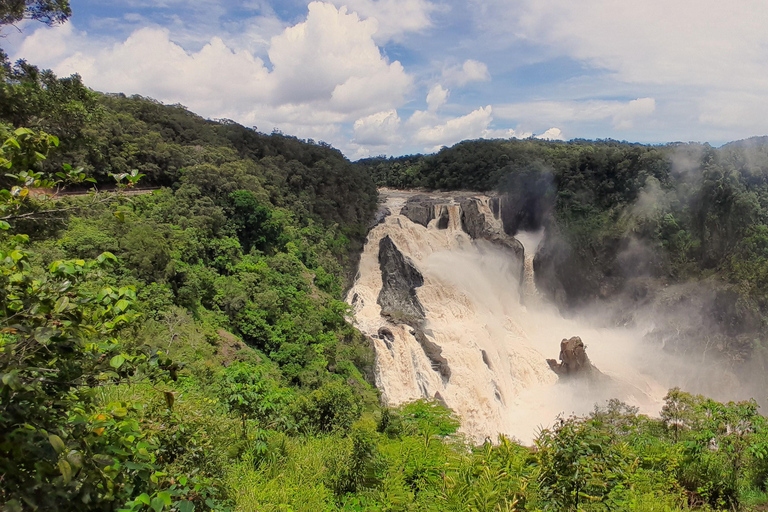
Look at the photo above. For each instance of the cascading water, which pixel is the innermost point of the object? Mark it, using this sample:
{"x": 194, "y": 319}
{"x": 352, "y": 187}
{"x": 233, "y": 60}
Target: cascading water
{"x": 450, "y": 322}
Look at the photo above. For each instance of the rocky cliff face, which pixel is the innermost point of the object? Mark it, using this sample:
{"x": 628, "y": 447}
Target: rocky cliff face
{"x": 438, "y": 294}
{"x": 400, "y": 278}
{"x": 481, "y": 218}
{"x": 420, "y": 209}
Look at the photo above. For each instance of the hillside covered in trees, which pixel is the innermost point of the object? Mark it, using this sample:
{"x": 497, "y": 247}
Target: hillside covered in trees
{"x": 187, "y": 348}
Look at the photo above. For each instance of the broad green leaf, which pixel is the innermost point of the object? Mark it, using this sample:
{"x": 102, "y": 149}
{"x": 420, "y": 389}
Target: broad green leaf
{"x": 57, "y": 443}
{"x": 117, "y": 361}
{"x": 185, "y": 506}
{"x": 143, "y": 498}
{"x": 61, "y": 304}
{"x": 121, "y": 305}
{"x": 4, "y": 225}
{"x": 157, "y": 504}
{"x": 103, "y": 460}
{"x": 120, "y": 412}
{"x": 106, "y": 256}
{"x": 166, "y": 497}
{"x": 12, "y": 380}
{"x": 75, "y": 459}
{"x": 66, "y": 470}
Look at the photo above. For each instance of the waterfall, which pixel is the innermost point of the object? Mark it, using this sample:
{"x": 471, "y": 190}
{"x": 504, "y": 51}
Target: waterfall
{"x": 477, "y": 347}
{"x": 530, "y": 240}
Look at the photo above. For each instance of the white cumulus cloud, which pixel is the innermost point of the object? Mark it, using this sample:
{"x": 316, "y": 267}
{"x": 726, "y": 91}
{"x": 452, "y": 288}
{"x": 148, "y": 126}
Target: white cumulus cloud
{"x": 470, "y": 71}
{"x": 622, "y": 114}
{"x": 322, "y": 71}
{"x": 551, "y": 134}
{"x": 394, "y": 18}
{"x": 436, "y": 97}
{"x": 379, "y": 129}
{"x": 470, "y": 126}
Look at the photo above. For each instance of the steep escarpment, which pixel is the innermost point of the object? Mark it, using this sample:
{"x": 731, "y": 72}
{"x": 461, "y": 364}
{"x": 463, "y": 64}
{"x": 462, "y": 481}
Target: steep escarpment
{"x": 444, "y": 308}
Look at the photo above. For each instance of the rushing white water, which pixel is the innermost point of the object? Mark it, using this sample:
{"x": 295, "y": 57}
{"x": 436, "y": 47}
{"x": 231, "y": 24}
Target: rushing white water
{"x": 496, "y": 346}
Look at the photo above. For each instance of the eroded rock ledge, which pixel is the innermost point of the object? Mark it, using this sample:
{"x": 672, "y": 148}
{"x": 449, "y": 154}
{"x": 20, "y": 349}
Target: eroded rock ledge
{"x": 400, "y": 278}
{"x": 399, "y": 302}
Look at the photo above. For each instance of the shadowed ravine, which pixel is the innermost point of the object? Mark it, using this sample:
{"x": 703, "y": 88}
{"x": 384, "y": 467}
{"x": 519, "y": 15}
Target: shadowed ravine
{"x": 456, "y": 329}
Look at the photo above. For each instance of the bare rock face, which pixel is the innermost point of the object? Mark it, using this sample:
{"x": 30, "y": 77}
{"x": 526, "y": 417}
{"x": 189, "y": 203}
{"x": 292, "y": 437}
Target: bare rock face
{"x": 574, "y": 362}
{"x": 382, "y": 213}
{"x": 472, "y": 221}
{"x": 419, "y": 209}
{"x": 400, "y": 278}
{"x": 434, "y": 353}
{"x": 444, "y": 218}
{"x": 399, "y": 302}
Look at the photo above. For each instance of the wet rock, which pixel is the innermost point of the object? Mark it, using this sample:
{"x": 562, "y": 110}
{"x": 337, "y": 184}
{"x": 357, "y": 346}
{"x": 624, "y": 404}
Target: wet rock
{"x": 444, "y": 218}
{"x": 486, "y": 360}
{"x": 574, "y": 361}
{"x": 419, "y": 209}
{"x": 495, "y": 205}
{"x": 400, "y": 279}
{"x": 475, "y": 225}
{"x": 472, "y": 221}
{"x": 386, "y": 334}
{"x": 434, "y": 353}
{"x": 440, "y": 399}
{"x": 382, "y": 213}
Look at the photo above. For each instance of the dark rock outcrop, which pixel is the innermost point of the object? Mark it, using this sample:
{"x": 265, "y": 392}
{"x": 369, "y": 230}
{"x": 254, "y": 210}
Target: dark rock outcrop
{"x": 400, "y": 278}
{"x": 495, "y": 204}
{"x": 486, "y": 359}
{"x": 419, "y": 209}
{"x": 444, "y": 218}
{"x": 472, "y": 221}
{"x": 382, "y": 213}
{"x": 475, "y": 225}
{"x": 574, "y": 362}
{"x": 434, "y": 353}
{"x": 386, "y": 335}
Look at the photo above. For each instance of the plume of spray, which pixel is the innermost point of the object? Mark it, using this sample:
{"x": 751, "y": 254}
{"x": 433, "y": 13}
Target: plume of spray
{"x": 494, "y": 341}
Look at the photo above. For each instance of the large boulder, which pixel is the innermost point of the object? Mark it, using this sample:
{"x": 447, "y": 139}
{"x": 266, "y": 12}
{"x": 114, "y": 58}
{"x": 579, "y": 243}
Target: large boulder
{"x": 419, "y": 209}
{"x": 574, "y": 361}
{"x": 400, "y": 278}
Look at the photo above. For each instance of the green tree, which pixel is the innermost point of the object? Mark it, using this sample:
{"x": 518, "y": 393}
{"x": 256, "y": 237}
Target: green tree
{"x": 50, "y": 12}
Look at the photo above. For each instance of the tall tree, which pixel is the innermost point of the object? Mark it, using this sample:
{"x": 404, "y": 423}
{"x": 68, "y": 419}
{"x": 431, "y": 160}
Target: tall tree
{"x": 50, "y": 12}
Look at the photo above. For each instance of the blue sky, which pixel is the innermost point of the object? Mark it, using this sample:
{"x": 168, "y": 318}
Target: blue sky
{"x": 403, "y": 76}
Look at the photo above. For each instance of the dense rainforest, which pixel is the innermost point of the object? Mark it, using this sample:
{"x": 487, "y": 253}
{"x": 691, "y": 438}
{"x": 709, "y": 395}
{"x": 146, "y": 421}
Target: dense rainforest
{"x": 173, "y": 335}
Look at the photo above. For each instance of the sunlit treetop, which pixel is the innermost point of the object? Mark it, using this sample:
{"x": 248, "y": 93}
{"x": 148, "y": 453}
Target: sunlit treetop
{"x": 50, "y": 12}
